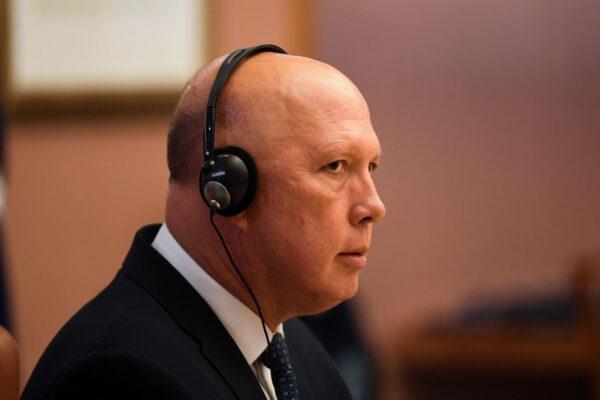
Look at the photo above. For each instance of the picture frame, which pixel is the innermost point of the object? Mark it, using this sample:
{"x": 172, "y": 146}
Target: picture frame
{"x": 64, "y": 57}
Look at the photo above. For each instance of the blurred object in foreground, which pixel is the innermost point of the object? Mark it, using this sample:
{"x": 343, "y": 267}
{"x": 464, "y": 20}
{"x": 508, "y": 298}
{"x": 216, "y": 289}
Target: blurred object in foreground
{"x": 9, "y": 366}
{"x": 4, "y": 318}
{"x": 337, "y": 330}
{"x": 529, "y": 348}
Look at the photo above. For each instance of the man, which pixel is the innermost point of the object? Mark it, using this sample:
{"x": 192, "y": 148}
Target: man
{"x": 178, "y": 321}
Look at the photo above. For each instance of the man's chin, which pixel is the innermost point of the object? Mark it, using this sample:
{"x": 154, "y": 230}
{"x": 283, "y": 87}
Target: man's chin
{"x": 326, "y": 304}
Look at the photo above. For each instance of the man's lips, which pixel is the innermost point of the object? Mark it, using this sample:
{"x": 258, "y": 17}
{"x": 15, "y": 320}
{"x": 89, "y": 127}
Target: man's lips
{"x": 357, "y": 258}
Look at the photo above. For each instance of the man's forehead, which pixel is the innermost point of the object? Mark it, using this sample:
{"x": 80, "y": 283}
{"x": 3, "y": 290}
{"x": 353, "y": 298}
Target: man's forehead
{"x": 329, "y": 141}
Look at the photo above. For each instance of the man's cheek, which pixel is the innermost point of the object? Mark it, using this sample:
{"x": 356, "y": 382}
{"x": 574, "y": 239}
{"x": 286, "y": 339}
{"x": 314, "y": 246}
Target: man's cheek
{"x": 326, "y": 189}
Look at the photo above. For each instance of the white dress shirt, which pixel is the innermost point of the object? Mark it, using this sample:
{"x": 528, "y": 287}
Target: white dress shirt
{"x": 242, "y": 324}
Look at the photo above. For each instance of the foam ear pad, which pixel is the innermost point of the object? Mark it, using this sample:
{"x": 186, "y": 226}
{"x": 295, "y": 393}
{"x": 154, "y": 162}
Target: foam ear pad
{"x": 231, "y": 181}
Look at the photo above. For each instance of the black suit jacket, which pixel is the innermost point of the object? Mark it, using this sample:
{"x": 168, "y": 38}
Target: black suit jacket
{"x": 150, "y": 335}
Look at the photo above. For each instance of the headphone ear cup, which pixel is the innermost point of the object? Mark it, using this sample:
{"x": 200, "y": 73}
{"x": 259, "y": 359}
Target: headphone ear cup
{"x": 231, "y": 181}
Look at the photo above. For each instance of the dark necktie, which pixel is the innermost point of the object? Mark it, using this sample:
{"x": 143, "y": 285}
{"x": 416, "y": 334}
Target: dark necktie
{"x": 276, "y": 358}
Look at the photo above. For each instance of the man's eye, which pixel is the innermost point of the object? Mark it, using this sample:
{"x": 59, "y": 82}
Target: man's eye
{"x": 372, "y": 168}
{"x": 335, "y": 166}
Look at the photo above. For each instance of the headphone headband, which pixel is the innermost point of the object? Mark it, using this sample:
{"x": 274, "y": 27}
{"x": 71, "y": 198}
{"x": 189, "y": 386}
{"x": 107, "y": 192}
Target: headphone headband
{"x": 230, "y": 63}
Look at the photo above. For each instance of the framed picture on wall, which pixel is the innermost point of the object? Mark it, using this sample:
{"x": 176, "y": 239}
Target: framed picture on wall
{"x": 71, "y": 55}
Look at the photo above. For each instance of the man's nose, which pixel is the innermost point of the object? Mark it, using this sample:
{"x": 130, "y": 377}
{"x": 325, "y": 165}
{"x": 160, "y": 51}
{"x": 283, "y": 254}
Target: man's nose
{"x": 369, "y": 208}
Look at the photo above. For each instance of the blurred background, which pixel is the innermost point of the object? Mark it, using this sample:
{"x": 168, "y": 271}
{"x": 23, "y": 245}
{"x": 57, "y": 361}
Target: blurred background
{"x": 481, "y": 280}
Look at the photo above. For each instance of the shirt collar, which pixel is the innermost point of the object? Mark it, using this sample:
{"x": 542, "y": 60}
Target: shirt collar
{"x": 242, "y": 324}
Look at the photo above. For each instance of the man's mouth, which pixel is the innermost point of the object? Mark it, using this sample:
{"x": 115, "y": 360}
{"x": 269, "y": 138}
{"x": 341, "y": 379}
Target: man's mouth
{"x": 356, "y": 259}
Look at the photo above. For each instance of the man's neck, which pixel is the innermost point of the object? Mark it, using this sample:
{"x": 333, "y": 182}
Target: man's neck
{"x": 209, "y": 253}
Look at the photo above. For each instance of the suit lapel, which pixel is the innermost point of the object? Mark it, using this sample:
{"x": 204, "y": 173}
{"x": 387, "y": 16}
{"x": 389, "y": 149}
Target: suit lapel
{"x": 151, "y": 271}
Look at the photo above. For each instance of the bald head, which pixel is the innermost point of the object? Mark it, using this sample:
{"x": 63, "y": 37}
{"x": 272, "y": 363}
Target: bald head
{"x": 267, "y": 102}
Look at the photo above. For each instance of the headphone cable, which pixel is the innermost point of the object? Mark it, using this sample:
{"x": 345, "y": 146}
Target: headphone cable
{"x": 213, "y": 207}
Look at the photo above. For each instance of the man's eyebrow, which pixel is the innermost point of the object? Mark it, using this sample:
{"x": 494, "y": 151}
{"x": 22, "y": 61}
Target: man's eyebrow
{"x": 336, "y": 149}
{"x": 336, "y": 146}
{"x": 344, "y": 149}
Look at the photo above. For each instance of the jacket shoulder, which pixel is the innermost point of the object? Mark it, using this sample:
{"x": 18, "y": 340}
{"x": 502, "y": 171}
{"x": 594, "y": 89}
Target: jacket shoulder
{"x": 318, "y": 377}
{"x": 118, "y": 375}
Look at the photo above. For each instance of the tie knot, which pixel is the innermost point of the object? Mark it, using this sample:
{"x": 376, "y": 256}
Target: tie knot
{"x": 277, "y": 359}
{"x": 275, "y": 356}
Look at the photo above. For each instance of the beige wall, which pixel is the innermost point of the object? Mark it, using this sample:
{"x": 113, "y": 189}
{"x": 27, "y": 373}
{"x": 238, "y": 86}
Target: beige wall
{"x": 80, "y": 188}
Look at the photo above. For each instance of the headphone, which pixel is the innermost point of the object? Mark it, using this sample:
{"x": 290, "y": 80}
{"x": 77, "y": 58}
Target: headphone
{"x": 228, "y": 178}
